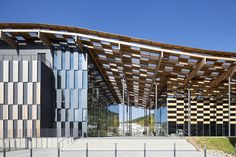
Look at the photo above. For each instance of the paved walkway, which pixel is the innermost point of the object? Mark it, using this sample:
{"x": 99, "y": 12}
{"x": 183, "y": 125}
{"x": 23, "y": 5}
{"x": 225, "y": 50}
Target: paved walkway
{"x": 126, "y": 147}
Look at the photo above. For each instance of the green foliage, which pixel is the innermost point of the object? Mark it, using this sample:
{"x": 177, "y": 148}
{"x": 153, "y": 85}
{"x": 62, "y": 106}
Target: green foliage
{"x": 225, "y": 144}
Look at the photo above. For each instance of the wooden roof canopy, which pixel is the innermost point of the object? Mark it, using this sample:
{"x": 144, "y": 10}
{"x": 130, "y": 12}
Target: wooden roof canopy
{"x": 142, "y": 63}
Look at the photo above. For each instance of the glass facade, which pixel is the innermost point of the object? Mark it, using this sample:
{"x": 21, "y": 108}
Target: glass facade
{"x": 70, "y": 71}
{"x": 103, "y": 111}
{"x": 160, "y": 120}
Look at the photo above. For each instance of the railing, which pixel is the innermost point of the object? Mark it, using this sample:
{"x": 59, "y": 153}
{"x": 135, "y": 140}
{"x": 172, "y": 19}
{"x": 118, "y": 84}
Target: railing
{"x": 145, "y": 152}
{"x": 86, "y": 151}
{"x": 37, "y": 143}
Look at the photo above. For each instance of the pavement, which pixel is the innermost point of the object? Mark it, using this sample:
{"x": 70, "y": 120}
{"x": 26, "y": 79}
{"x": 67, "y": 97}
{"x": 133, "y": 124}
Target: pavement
{"x": 125, "y": 147}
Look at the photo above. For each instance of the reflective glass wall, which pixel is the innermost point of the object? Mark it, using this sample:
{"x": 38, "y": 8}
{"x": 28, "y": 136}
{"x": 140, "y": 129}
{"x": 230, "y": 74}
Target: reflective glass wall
{"x": 103, "y": 111}
{"x": 160, "y": 120}
{"x": 70, "y": 71}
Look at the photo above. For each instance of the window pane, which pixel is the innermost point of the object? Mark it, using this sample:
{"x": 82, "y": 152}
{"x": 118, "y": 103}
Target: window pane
{"x": 67, "y": 79}
{"x": 76, "y": 79}
{"x": 84, "y": 114}
{"x": 29, "y": 111}
{"x": 25, "y": 93}
{"x": 55, "y": 60}
{"x": 71, "y": 60}
{"x": 85, "y": 81}
{"x": 63, "y": 62}
{"x": 80, "y": 61}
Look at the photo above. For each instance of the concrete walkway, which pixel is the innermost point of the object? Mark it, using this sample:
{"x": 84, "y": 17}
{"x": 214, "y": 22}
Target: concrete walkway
{"x": 126, "y": 147}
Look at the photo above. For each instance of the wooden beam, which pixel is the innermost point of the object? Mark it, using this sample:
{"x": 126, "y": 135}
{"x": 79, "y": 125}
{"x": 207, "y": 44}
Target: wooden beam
{"x": 224, "y": 76}
{"x": 194, "y": 71}
{"x": 44, "y": 39}
{"x": 8, "y": 40}
{"x": 78, "y": 42}
{"x": 103, "y": 75}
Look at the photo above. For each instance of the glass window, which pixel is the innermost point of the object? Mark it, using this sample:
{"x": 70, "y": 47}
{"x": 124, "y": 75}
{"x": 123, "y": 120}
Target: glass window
{"x": 79, "y": 97}
{"x": 63, "y": 104}
{"x": 19, "y": 112}
{"x": 10, "y": 71}
{"x": 24, "y": 128}
{"x": 10, "y": 110}
{"x": 30, "y": 71}
{"x": 63, "y": 62}
{"x": 76, "y": 80}
{"x": 67, "y": 79}
{"x": 55, "y": 60}
{"x": 34, "y": 92}
{"x": 15, "y": 98}
{"x": 84, "y": 114}
{"x": 71, "y": 60}
{"x": 63, "y": 97}
{"x": 67, "y": 115}
{"x": 72, "y": 99}
{"x": 29, "y": 111}
{"x": 67, "y": 53}
{"x": 5, "y": 128}
{"x": 58, "y": 114}
{"x": 25, "y": 93}
{"x": 85, "y": 80}
{"x": 5, "y": 93}
{"x": 15, "y": 130}
{"x": 59, "y": 80}
{"x": 80, "y": 61}
{"x": 76, "y": 114}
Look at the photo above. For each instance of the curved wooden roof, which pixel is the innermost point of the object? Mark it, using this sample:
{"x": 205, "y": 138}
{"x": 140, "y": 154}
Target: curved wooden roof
{"x": 142, "y": 63}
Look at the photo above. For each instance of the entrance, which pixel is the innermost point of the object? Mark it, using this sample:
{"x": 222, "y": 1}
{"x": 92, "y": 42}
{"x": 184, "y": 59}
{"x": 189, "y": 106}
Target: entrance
{"x": 136, "y": 121}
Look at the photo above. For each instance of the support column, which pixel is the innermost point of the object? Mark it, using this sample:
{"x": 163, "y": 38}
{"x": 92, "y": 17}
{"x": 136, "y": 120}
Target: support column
{"x": 156, "y": 123}
{"x": 123, "y": 105}
{"x": 131, "y": 121}
{"x": 229, "y": 104}
{"x": 149, "y": 121}
{"x": 189, "y": 112}
{"x": 145, "y": 120}
{"x": 160, "y": 121}
{"x": 127, "y": 117}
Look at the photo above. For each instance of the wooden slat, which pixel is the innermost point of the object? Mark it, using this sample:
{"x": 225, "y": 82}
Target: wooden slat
{"x": 224, "y": 76}
{"x": 44, "y": 39}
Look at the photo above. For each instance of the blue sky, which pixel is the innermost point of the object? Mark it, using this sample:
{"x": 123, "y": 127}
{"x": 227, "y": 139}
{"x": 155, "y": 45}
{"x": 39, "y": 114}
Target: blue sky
{"x": 208, "y": 24}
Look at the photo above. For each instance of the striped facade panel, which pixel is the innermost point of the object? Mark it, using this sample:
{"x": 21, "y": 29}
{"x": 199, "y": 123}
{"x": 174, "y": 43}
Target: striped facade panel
{"x": 209, "y": 116}
{"x": 18, "y": 108}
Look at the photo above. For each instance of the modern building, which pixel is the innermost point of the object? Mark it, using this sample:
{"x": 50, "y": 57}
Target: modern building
{"x": 68, "y": 81}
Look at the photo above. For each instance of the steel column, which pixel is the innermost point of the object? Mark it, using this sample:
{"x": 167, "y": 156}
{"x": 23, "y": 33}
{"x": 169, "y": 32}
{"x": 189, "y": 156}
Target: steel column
{"x": 160, "y": 119}
{"x": 229, "y": 104}
{"x": 123, "y": 105}
{"x": 156, "y": 106}
{"x": 149, "y": 120}
{"x": 131, "y": 121}
{"x": 127, "y": 116}
{"x": 189, "y": 112}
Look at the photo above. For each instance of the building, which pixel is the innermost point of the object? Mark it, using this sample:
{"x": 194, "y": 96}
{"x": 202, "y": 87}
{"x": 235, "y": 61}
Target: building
{"x": 67, "y": 81}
